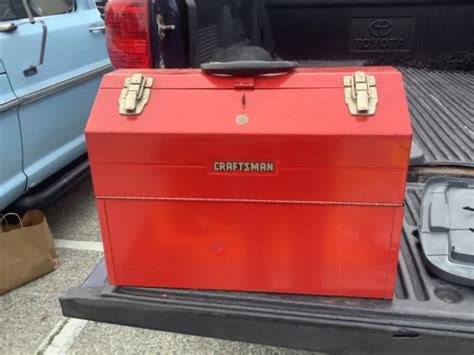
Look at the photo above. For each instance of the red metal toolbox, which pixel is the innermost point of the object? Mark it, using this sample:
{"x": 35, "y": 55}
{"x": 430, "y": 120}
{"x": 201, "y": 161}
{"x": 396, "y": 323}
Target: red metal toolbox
{"x": 288, "y": 183}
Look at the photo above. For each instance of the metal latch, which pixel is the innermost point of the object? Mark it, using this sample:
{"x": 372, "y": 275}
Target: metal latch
{"x": 360, "y": 93}
{"x": 135, "y": 94}
{"x": 162, "y": 27}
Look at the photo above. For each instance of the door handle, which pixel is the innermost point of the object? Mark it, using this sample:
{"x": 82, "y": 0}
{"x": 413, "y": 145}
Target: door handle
{"x": 97, "y": 28}
{"x": 7, "y": 27}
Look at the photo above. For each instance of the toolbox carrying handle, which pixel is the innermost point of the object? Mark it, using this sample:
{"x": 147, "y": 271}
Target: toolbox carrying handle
{"x": 246, "y": 68}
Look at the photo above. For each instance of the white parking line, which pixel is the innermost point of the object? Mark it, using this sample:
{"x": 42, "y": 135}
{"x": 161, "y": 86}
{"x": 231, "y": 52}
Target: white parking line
{"x": 78, "y": 245}
{"x": 61, "y": 338}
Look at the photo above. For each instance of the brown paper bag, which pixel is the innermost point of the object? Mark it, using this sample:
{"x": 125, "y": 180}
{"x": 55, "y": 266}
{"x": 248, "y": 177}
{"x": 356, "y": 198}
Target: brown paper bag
{"x": 26, "y": 250}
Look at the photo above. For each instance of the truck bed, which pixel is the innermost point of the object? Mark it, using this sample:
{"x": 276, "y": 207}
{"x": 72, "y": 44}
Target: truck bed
{"x": 426, "y": 314}
{"x": 442, "y": 115}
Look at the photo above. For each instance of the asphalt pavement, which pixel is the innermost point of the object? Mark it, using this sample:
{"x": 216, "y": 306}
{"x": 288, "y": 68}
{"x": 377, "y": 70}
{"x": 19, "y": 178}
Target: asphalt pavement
{"x": 30, "y": 316}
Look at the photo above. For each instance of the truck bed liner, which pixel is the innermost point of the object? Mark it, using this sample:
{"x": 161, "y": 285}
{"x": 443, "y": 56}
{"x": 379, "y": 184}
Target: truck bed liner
{"x": 442, "y": 114}
{"x": 427, "y": 313}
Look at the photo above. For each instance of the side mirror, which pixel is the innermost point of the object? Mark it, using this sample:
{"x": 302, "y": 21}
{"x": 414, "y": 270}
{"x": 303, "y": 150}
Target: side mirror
{"x": 51, "y": 7}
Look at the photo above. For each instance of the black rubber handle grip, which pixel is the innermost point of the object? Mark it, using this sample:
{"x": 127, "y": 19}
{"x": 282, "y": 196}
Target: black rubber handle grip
{"x": 247, "y": 68}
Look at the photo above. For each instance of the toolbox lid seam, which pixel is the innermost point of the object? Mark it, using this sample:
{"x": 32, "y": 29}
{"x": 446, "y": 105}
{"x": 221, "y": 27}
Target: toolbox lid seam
{"x": 243, "y": 200}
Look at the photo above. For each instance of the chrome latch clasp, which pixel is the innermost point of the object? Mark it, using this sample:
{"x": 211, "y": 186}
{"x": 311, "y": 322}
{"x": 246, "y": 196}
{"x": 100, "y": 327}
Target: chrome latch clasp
{"x": 360, "y": 94}
{"x": 135, "y": 94}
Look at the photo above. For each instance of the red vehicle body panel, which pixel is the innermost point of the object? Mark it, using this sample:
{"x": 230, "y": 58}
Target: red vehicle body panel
{"x": 326, "y": 220}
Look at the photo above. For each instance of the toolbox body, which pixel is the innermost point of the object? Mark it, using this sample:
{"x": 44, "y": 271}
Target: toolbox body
{"x": 253, "y": 184}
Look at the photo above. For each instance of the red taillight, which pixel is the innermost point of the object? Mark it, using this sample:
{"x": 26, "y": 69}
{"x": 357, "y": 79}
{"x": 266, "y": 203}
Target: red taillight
{"x": 128, "y": 34}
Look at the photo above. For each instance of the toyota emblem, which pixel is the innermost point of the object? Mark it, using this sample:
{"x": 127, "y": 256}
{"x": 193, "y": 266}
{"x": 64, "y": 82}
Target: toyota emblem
{"x": 381, "y": 28}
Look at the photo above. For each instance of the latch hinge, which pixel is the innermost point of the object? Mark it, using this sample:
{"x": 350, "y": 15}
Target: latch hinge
{"x": 135, "y": 94}
{"x": 360, "y": 93}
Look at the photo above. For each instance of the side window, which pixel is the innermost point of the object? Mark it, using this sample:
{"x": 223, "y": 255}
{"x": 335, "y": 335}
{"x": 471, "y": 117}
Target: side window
{"x": 51, "y": 7}
{"x": 11, "y": 10}
{"x": 101, "y": 6}
{"x": 14, "y": 9}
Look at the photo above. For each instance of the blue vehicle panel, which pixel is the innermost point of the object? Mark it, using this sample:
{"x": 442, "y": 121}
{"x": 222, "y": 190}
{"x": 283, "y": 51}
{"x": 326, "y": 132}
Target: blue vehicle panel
{"x": 12, "y": 178}
{"x": 54, "y": 82}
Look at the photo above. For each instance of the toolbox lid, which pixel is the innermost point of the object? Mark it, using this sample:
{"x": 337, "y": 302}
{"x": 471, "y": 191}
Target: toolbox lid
{"x": 296, "y": 79}
{"x": 267, "y": 137}
{"x": 306, "y": 102}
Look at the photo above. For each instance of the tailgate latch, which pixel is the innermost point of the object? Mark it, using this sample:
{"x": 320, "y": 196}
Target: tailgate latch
{"x": 135, "y": 94}
{"x": 360, "y": 93}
